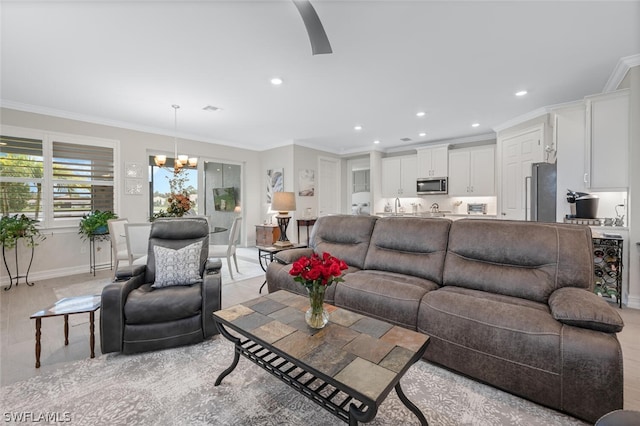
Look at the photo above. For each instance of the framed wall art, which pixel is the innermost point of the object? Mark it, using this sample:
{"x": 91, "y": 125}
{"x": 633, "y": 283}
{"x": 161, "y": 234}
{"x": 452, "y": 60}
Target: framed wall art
{"x": 133, "y": 170}
{"x": 275, "y": 182}
{"x": 306, "y": 182}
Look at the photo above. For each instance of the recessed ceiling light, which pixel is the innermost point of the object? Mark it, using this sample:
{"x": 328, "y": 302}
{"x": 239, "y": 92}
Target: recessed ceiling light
{"x": 357, "y": 127}
{"x": 276, "y": 81}
{"x": 422, "y": 134}
{"x": 421, "y": 114}
{"x": 521, "y": 93}
{"x": 475, "y": 125}
{"x": 376, "y": 141}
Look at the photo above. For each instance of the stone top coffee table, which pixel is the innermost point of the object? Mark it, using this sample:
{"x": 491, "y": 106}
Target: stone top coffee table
{"x": 349, "y": 367}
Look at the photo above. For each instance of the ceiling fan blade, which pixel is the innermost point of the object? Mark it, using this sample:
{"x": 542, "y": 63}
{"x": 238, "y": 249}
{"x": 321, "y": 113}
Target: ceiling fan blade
{"x": 317, "y": 36}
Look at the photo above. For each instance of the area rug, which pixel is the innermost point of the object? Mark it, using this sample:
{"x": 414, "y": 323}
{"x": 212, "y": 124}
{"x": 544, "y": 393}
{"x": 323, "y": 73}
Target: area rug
{"x": 176, "y": 387}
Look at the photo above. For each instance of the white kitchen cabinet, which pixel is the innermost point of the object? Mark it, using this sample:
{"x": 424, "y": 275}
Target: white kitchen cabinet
{"x": 472, "y": 171}
{"x": 399, "y": 176}
{"x": 432, "y": 162}
{"x": 569, "y": 141}
{"x": 607, "y": 141}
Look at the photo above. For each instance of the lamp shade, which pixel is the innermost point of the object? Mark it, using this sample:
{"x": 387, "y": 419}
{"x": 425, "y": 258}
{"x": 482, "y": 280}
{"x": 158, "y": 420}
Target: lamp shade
{"x": 283, "y": 202}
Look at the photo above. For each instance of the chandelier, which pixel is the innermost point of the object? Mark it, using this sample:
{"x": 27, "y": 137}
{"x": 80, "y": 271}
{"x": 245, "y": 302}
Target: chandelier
{"x": 179, "y": 160}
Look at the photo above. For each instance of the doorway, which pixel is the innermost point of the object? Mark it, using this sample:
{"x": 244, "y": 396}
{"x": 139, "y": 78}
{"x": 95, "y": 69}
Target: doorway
{"x": 222, "y": 198}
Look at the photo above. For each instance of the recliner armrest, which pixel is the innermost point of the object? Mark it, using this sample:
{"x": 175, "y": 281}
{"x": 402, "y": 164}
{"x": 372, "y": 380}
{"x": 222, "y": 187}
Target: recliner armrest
{"x": 287, "y": 257}
{"x": 112, "y": 302}
{"x": 211, "y": 301}
{"x": 212, "y": 266}
{"x": 126, "y": 272}
{"x": 581, "y": 308}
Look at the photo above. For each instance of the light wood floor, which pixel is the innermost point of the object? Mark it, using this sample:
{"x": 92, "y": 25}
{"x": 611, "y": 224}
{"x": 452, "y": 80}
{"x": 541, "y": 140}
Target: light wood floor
{"x": 17, "y": 331}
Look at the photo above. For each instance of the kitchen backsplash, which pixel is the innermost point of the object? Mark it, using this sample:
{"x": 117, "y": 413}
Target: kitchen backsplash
{"x": 455, "y": 205}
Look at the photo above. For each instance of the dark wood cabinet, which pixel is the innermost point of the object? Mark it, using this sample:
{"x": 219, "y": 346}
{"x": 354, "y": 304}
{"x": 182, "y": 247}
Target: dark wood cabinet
{"x": 266, "y": 235}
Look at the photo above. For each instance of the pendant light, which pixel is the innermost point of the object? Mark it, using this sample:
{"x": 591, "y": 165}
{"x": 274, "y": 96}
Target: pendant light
{"x": 179, "y": 160}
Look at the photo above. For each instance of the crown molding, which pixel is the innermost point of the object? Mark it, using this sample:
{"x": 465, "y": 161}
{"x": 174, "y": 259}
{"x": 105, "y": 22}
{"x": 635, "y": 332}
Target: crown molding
{"x": 8, "y": 104}
{"x": 619, "y": 72}
{"x": 521, "y": 119}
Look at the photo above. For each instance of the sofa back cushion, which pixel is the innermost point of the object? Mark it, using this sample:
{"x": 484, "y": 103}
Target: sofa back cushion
{"x": 409, "y": 245}
{"x": 515, "y": 258}
{"x": 346, "y": 237}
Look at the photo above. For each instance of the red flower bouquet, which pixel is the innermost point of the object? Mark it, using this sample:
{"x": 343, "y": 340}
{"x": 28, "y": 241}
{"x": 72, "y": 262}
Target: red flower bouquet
{"x": 317, "y": 273}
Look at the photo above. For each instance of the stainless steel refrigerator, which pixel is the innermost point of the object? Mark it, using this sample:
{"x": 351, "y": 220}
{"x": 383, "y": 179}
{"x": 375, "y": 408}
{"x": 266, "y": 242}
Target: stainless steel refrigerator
{"x": 543, "y": 192}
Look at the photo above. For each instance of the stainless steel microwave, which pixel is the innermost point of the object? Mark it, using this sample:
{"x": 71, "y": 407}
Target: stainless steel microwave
{"x": 425, "y": 186}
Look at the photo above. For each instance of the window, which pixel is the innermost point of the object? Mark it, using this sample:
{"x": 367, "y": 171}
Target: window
{"x": 159, "y": 186}
{"x": 82, "y": 179}
{"x": 21, "y": 176}
{"x": 55, "y": 179}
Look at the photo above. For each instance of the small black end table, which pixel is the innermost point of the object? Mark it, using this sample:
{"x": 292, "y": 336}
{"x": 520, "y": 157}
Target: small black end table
{"x": 266, "y": 254}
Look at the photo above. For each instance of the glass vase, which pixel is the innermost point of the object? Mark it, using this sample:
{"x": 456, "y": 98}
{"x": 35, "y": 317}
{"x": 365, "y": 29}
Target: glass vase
{"x": 316, "y": 316}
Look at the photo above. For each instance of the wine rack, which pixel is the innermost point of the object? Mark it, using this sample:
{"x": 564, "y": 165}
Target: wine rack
{"x": 607, "y": 257}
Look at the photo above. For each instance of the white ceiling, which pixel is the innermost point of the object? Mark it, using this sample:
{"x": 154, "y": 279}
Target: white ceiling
{"x": 126, "y": 63}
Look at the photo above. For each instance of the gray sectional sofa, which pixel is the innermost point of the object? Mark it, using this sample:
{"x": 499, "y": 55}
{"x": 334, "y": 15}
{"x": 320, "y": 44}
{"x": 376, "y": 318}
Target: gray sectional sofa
{"x": 505, "y": 302}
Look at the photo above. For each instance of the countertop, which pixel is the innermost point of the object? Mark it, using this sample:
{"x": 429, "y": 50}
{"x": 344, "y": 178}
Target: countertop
{"x": 439, "y": 214}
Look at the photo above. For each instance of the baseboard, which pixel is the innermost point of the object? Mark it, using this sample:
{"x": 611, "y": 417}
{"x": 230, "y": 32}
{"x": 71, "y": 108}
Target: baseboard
{"x": 52, "y": 273}
{"x": 633, "y": 302}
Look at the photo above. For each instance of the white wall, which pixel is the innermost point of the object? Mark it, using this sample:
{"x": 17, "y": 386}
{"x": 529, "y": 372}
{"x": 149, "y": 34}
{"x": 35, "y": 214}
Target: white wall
{"x": 63, "y": 253}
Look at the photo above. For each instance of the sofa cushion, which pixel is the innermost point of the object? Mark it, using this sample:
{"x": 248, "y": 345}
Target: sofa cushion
{"x": 500, "y": 326}
{"x": 147, "y": 305}
{"x": 409, "y": 245}
{"x": 582, "y": 308}
{"x": 388, "y": 296}
{"x": 177, "y": 267}
{"x": 343, "y": 236}
{"x": 536, "y": 261}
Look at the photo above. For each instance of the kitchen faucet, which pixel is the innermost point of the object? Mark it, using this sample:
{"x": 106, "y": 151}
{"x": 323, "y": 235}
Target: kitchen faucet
{"x": 396, "y": 205}
{"x": 435, "y": 208}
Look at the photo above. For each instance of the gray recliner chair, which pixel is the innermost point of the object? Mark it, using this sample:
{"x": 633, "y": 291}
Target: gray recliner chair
{"x": 169, "y": 301}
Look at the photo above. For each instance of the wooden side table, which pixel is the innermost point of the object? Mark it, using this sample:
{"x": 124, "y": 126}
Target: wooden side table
{"x": 266, "y": 235}
{"x": 307, "y": 223}
{"x": 69, "y": 306}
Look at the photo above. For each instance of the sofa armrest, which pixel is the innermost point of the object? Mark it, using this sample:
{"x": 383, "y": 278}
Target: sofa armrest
{"x": 581, "y": 308}
{"x": 287, "y": 257}
{"x": 112, "y": 302}
{"x": 211, "y": 301}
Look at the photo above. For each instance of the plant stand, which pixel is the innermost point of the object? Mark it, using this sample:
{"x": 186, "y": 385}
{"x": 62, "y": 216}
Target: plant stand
{"x": 17, "y": 275}
{"x": 92, "y": 253}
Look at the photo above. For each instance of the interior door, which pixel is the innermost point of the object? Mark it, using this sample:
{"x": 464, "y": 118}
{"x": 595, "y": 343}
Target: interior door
{"x": 518, "y": 153}
{"x": 328, "y": 186}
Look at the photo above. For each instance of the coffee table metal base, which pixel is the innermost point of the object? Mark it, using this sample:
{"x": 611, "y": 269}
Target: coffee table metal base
{"x": 333, "y": 398}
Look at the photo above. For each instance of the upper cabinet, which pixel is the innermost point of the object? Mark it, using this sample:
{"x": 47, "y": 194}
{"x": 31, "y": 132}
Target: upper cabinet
{"x": 472, "y": 171}
{"x": 607, "y": 141}
{"x": 432, "y": 162}
{"x": 399, "y": 176}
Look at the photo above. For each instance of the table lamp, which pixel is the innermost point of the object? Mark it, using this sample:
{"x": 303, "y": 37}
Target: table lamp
{"x": 283, "y": 203}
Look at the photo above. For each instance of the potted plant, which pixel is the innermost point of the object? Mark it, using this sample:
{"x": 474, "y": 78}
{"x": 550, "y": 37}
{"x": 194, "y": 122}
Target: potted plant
{"x": 19, "y": 226}
{"x": 94, "y": 224}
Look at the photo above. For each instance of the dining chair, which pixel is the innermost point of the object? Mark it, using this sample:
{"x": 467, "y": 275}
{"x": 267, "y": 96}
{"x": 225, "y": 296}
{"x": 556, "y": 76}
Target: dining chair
{"x": 137, "y": 236}
{"x": 117, "y": 234}
{"x": 229, "y": 250}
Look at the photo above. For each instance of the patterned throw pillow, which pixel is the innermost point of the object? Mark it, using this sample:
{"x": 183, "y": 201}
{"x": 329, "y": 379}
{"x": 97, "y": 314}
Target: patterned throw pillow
{"x": 177, "y": 267}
